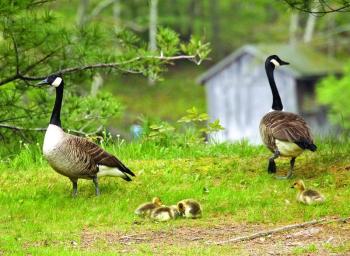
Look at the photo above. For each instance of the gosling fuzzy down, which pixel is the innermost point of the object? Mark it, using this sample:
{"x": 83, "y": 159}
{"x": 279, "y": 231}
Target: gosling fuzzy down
{"x": 190, "y": 208}
{"x": 165, "y": 213}
{"x": 145, "y": 210}
{"x": 307, "y": 196}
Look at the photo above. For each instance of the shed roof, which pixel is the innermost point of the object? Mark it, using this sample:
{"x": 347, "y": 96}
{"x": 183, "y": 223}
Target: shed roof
{"x": 304, "y": 61}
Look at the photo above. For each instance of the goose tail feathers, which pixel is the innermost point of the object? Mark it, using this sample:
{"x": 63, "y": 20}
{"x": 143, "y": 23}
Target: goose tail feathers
{"x": 307, "y": 145}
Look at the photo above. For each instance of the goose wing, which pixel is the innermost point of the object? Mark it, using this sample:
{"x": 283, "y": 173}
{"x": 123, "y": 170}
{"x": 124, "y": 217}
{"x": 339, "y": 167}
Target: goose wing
{"x": 286, "y": 126}
{"x": 96, "y": 155}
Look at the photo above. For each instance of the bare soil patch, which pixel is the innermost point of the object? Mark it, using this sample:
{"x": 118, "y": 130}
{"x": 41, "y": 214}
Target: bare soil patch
{"x": 320, "y": 236}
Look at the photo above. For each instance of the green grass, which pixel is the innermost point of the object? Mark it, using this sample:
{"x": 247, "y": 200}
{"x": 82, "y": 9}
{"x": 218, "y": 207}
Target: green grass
{"x": 311, "y": 248}
{"x": 38, "y": 215}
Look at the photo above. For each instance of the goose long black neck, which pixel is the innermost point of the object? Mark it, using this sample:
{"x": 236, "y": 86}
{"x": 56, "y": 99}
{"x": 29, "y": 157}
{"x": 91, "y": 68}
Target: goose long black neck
{"x": 56, "y": 112}
{"x": 277, "y": 102}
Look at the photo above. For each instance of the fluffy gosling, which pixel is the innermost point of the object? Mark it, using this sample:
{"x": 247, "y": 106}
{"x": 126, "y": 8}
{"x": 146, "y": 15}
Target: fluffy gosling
{"x": 145, "y": 210}
{"x": 165, "y": 213}
{"x": 190, "y": 208}
{"x": 307, "y": 196}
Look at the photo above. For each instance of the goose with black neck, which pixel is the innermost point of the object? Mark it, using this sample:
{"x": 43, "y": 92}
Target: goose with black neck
{"x": 73, "y": 156}
{"x": 284, "y": 133}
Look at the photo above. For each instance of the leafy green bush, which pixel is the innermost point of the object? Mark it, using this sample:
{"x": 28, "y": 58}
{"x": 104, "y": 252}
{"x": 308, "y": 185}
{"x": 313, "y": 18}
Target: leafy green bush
{"x": 193, "y": 129}
{"x": 91, "y": 113}
{"x": 335, "y": 93}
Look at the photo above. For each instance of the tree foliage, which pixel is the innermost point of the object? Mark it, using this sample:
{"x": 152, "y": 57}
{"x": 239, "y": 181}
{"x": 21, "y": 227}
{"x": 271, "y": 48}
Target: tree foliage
{"x": 38, "y": 39}
{"x": 334, "y": 92}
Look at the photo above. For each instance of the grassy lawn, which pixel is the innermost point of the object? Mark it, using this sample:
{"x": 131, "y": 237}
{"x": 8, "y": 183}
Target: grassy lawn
{"x": 39, "y": 216}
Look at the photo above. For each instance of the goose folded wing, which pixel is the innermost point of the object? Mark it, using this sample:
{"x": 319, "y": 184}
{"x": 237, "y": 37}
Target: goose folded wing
{"x": 101, "y": 157}
{"x": 293, "y": 129}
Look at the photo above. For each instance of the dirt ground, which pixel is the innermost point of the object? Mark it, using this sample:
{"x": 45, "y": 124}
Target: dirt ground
{"x": 313, "y": 240}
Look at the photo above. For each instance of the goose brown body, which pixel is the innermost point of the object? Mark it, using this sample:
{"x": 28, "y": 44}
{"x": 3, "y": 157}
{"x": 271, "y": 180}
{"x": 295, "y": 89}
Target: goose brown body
{"x": 78, "y": 158}
{"x": 279, "y": 126}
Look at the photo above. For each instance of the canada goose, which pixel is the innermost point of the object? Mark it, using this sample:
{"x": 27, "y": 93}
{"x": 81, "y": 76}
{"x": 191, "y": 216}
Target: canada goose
{"x": 75, "y": 157}
{"x": 165, "y": 213}
{"x": 190, "y": 208}
{"x": 144, "y": 210}
{"x": 307, "y": 196}
{"x": 285, "y": 134}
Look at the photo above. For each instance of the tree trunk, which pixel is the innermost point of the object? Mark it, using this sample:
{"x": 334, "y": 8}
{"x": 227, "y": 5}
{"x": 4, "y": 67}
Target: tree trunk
{"x": 331, "y": 38}
{"x": 215, "y": 21}
{"x": 293, "y": 28}
{"x": 310, "y": 27}
{"x": 116, "y": 15}
{"x": 153, "y": 15}
{"x": 96, "y": 84}
{"x": 82, "y": 13}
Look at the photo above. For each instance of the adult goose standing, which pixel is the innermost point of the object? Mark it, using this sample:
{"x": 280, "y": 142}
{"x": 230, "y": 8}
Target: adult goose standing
{"x": 285, "y": 134}
{"x": 76, "y": 157}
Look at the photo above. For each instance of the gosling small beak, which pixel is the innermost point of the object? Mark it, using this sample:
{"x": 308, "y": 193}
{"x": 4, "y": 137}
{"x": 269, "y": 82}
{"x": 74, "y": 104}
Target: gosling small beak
{"x": 284, "y": 63}
{"x": 292, "y": 187}
{"x": 42, "y": 82}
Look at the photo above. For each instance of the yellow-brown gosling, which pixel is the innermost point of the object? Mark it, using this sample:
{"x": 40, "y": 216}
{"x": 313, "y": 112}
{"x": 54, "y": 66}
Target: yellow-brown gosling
{"x": 145, "y": 210}
{"x": 165, "y": 213}
{"x": 190, "y": 208}
{"x": 307, "y": 196}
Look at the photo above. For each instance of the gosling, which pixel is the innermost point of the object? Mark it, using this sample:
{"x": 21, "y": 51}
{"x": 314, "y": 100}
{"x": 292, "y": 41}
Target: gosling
{"x": 307, "y": 196}
{"x": 190, "y": 208}
{"x": 165, "y": 213}
{"x": 145, "y": 210}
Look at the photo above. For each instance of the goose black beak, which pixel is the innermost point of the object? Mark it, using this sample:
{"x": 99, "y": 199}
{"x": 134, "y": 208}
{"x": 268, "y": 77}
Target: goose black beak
{"x": 284, "y": 62}
{"x": 42, "y": 82}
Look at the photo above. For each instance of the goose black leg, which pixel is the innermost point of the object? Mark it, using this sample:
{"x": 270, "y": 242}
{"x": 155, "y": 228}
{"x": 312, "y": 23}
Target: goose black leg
{"x": 290, "y": 172}
{"x": 272, "y": 165}
{"x": 75, "y": 187}
{"x": 95, "y": 180}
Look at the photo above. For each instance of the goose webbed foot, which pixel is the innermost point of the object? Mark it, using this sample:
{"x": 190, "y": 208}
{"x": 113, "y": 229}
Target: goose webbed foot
{"x": 272, "y": 165}
{"x": 290, "y": 172}
{"x": 97, "y": 190}
{"x": 75, "y": 188}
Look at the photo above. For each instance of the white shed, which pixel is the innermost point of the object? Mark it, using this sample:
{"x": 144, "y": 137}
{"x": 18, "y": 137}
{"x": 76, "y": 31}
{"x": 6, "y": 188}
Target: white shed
{"x": 238, "y": 92}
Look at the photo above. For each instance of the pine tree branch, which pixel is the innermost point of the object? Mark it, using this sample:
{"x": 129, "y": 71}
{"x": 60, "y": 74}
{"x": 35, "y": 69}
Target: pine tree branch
{"x": 344, "y": 8}
{"x": 16, "y": 53}
{"x": 119, "y": 65}
{"x": 40, "y": 2}
{"x": 41, "y": 129}
{"x": 33, "y": 65}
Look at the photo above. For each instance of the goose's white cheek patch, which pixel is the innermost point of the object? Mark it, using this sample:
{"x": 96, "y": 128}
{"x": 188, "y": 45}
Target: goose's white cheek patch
{"x": 275, "y": 62}
{"x": 57, "y": 82}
